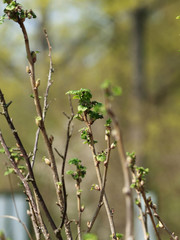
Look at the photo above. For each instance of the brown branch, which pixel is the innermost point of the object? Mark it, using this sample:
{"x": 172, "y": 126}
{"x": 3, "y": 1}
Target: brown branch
{"x": 150, "y": 214}
{"x": 126, "y": 190}
{"x": 24, "y": 182}
{"x": 46, "y": 105}
{"x": 26, "y": 157}
{"x": 64, "y": 156}
{"x": 99, "y": 177}
{"x": 16, "y": 210}
{"x": 78, "y": 194}
{"x": 100, "y": 203}
{"x": 41, "y": 124}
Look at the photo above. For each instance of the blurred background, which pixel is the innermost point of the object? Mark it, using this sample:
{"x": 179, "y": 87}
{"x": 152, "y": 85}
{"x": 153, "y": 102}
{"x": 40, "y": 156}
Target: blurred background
{"x": 134, "y": 44}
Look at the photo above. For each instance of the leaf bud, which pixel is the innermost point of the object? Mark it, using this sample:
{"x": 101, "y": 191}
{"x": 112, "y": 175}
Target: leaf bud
{"x": 37, "y": 84}
{"x": 47, "y": 161}
{"x": 28, "y": 70}
{"x": 33, "y": 55}
{"x": 38, "y": 121}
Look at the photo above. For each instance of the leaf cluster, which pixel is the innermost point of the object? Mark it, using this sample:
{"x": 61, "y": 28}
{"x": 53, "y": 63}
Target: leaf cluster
{"x": 86, "y": 106}
{"x": 15, "y": 11}
{"x": 80, "y": 171}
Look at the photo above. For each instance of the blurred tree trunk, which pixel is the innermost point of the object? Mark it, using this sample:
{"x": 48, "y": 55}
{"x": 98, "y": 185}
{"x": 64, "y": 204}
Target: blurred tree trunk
{"x": 139, "y": 94}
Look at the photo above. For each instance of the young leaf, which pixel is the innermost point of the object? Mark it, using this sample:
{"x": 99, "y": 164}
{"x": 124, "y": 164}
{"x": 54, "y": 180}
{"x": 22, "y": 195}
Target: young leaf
{"x": 90, "y": 236}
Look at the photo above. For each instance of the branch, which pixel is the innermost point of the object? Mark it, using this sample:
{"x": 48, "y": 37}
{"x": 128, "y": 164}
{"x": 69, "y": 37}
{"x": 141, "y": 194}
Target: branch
{"x": 46, "y": 105}
{"x": 106, "y": 163}
{"x": 40, "y": 121}
{"x": 16, "y": 210}
{"x": 64, "y": 156}
{"x": 18, "y": 220}
{"x": 126, "y": 190}
{"x": 98, "y": 173}
{"x": 26, "y": 157}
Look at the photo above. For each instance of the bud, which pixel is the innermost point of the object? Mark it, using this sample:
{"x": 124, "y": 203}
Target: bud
{"x": 33, "y": 55}
{"x": 38, "y": 121}
{"x": 28, "y": 70}
{"x": 47, "y": 161}
{"x": 51, "y": 139}
{"x": 161, "y": 225}
{"x": 82, "y": 208}
{"x": 37, "y": 84}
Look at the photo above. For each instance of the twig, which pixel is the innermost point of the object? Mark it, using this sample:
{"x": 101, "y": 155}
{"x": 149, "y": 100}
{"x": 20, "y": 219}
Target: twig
{"x": 146, "y": 235}
{"x": 100, "y": 203}
{"x": 23, "y": 180}
{"x": 161, "y": 223}
{"x": 78, "y": 194}
{"x": 41, "y": 124}
{"x": 126, "y": 190}
{"x": 26, "y": 157}
{"x": 18, "y": 220}
{"x": 16, "y": 210}
{"x": 150, "y": 214}
{"x": 64, "y": 156}
{"x": 98, "y": 173}
{"x": 46, "y": 105}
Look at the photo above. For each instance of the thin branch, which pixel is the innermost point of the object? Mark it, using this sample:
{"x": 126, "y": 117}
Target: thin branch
{"x": 78, "y": 194}
{"x": 41, "y": 124}
{"x": 46, "y": 105}
{"x": 126, "y": 190}
{"x": 26, "y": 157}
{"x": 64, "y": 156}
{"x": 100, "y": 203}
{"x": 150, "y": 214}
{"x": 98, "y": 173}
{"x": 16, "y": 210}
{"x": 18, "y": 220}
{"x": 163, "y": 225}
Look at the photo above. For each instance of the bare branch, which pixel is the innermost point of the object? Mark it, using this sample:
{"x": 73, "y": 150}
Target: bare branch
{"x": 126, "y": 190}
{"x": 64, "y": 156}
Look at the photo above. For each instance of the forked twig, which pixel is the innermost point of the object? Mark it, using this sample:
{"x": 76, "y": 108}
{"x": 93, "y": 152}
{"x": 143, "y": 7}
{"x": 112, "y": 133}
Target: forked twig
{"x": 64, "y": 157}
{"x": 46, "y": 105}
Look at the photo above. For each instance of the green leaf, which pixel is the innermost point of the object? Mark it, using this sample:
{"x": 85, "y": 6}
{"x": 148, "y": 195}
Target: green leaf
{"x": 11, "y": 6}
{"x": 133, "y": 185}
{"x": 82, "y": 108}
{"x": 108, "y": 122}
{"x": 9, "y": 171}
{"x": 118, "y": 236}
{"x": 74, "y": 161}
{"x": 117, "y": 91}
{"x": 101, "y": 157}
{"x": 2, "y": 150}
{"x": 59, "y": 183}
{"x": 178, "y": 17}
{"x": 90, "y": 236}
{"x": 2, "y": 18}
{"x": 70, "y": 172}
{"x": 106, "y": 84}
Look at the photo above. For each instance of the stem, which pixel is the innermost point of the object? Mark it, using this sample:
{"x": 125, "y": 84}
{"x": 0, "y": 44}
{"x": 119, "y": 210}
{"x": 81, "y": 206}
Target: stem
{"x": 127, "y": 182}
{"x": 150, "y": 214}
{"x": 79, "y": 209}
{"x": 98, "y": 173}
{"x": 41, "y": 123}
{"x": 28, "y": 192}
{"x": 106, "y": 163}
{"x": 26, "y": 157}
{"x": 16, "y": 210}
{"x": 146, "y": 236}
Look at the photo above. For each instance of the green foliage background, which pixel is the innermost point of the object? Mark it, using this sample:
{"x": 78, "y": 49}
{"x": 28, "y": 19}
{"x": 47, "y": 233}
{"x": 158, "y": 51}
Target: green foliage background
{"x": 93, "y": 41}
